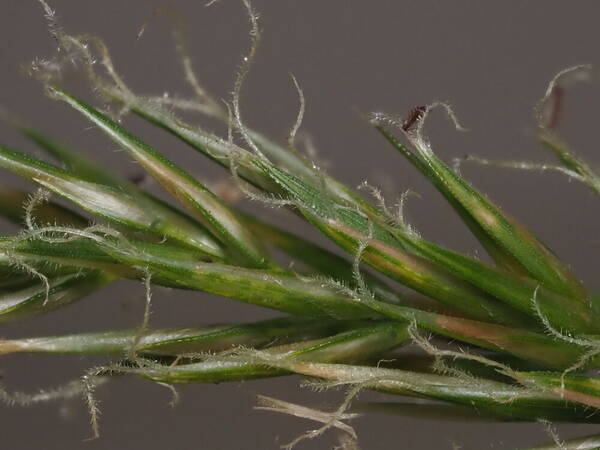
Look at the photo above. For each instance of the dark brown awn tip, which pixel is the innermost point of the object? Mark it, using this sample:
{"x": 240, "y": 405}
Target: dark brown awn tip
{"x": 414, "y": 116}
{"x": 137, "y": 178}
{"x": 553, "y": 107}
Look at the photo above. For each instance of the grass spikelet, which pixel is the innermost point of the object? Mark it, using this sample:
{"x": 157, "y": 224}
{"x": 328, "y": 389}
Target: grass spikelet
{"x": 512, "y": 340}
{"x": 511, "y": 245}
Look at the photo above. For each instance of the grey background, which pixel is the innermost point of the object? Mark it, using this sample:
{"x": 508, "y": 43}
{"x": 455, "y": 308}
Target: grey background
{"x": 491, "y": 60}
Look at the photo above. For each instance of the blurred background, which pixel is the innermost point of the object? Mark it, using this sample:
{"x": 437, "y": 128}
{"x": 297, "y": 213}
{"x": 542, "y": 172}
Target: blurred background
{"x": 490, "y": 60}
